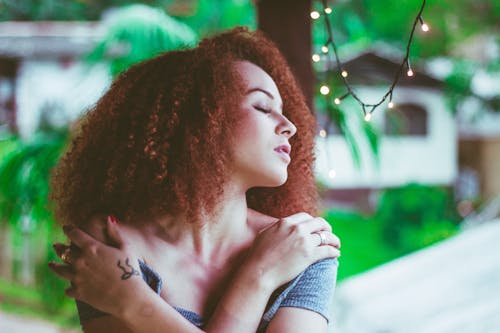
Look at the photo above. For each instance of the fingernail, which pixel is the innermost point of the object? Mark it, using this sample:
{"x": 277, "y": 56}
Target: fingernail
{"x": 112, "y": 219}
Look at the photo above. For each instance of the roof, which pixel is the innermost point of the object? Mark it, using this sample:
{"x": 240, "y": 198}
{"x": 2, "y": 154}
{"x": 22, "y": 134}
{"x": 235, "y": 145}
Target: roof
{"x": 48, "y": 39}
{"x": 370, "y": 68}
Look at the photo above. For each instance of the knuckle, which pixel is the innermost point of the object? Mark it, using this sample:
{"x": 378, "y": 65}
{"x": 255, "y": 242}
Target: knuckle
{"x": 92, "y": 249}
{"x": 301, "y": 229}
{"x": 285, "y": 221}
{"x": 294, "y": 228}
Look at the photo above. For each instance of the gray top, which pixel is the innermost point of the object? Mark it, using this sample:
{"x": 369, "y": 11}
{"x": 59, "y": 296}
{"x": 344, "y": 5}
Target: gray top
{"x": 312, "y": 290}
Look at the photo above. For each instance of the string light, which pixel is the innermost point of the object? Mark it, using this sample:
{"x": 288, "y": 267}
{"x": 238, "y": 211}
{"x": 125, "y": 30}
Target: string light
{"x": 368, "y": 116}
{"x": 324, "y": 90}
{"x": 316, "y": 57}
{"x": 324, "y": 49}
{"x": 410, "y": 71}
{"x": 333, "y": 57}
{"x": 322, "y": 133}
{"x": 423, "y": 25}
{"x": 338, "y": 100}
{"x": 315, "y": 15}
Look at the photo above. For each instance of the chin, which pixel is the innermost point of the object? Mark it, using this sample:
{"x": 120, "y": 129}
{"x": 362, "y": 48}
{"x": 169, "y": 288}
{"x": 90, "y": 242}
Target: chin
{"x": 276, "y": 180}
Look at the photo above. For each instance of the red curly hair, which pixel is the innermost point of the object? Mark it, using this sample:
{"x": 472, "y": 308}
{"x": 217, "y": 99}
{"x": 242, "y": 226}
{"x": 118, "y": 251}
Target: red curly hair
{"x": 159, "y": 141}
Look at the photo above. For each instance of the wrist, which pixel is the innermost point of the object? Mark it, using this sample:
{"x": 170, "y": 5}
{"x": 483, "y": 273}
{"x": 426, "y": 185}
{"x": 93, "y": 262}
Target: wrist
{"x": 257, "y": 279}
{"x": 136, "y": 302}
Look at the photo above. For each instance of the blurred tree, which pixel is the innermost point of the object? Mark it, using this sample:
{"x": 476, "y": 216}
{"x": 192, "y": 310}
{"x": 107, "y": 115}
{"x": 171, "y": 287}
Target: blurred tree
{"x": 138, "y": 32}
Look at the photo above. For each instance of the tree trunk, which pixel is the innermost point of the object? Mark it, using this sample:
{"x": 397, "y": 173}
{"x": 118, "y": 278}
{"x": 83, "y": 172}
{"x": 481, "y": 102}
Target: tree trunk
{"x": 288, "y": 24}
{"x": 5, "y": 251}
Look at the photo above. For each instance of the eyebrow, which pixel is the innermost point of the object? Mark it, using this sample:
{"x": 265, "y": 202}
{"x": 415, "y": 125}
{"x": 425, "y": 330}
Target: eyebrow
{"x": 262, "y": 91}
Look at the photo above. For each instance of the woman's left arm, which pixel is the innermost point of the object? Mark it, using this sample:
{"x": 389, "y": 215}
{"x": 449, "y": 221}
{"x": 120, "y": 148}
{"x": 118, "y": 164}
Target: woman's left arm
{"x": 121, "y": 291}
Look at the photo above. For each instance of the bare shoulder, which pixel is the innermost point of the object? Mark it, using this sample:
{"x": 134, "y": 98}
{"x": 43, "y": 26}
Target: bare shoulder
{"x": 258, "y": 221}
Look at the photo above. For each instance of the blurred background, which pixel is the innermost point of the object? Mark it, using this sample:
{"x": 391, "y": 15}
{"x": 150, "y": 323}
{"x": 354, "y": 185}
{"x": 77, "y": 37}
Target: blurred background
{"x": 413, "y": 193}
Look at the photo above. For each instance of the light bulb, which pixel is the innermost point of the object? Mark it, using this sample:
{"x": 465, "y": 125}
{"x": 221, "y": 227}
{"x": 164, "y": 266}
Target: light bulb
{"x": 332, "y": 173}
{"x": 315, "y": 15}
{"x": 328, "y": 10}
{"x": 322, "y": 133}
{"x": 410, "y": 72}
{"x": 391, "y": 104}
{"x": 324, "y": 49}
{"x": 344, "y": 74}
{"x": 425, "y": 27}
{"x": 368, "y": 116}
{"x": 324, "y": 90}
{"x": 337, "y": 101}
{"x": 316, "y": 57}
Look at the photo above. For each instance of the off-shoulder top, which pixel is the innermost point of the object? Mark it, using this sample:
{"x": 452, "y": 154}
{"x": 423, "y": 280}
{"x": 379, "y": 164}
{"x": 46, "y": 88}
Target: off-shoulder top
{"x": 313, "y": 290}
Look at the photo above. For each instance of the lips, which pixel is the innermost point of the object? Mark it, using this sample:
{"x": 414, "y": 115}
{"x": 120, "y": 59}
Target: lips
{"x": 284, "y": 152}
{"x": 283, "y": 149}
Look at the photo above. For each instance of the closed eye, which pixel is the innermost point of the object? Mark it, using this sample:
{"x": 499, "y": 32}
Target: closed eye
{"x": 262, "y": 109}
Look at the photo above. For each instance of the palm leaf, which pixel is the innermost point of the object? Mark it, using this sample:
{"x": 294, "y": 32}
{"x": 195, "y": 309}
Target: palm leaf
{"x": 138, "y": 32}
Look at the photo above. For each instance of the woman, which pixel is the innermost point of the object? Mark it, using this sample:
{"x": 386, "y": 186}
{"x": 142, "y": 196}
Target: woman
{"x": 205, "y": 156}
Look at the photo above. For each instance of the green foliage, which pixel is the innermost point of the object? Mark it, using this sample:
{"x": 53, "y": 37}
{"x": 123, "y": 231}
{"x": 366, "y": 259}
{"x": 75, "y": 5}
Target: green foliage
{"x": 415, "y": 215}
{"x": 51, "y": 287}
{"x": 408, "y": 219}
{"x": 138, "y": 32}
{"x": 215, "y": 15}
{"x": 362, "y": 244}
{"x": 24, "y": 173}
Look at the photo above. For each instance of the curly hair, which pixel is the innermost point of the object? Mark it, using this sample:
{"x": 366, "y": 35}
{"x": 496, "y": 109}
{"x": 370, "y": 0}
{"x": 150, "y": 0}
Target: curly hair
{"x": 159, "y": 140}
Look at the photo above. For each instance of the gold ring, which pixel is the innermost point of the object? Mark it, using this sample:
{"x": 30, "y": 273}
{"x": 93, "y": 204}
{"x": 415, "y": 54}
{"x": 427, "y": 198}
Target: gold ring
{"x": 65, "y": 256}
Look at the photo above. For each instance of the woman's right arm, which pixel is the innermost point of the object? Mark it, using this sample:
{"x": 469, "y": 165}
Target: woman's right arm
{"x": 279, "y": 254}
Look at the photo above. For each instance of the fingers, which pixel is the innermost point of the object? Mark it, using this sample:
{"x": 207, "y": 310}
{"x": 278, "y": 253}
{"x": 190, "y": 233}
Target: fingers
{"x": 317, "y": 224}
{"x": 296, "y": 218}
{"x": 63, "y": 271}
{"x": 323, "y": 252}
{"x": 77, "y": 236}
{"x": 326, "y": 238}
{"x": 60, "y": 249}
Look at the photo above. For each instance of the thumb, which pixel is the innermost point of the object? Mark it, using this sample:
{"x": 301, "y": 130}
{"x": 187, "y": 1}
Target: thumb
{"x": 113, "y": 231}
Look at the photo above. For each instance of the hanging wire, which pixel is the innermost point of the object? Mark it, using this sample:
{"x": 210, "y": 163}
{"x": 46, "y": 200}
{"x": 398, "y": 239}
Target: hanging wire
{"x": 367, "y": 108}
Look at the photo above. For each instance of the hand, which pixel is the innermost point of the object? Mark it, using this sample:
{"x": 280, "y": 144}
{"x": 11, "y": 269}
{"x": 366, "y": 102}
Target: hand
{"x": 106, "y": 277}
{"x": 286, "y": 248}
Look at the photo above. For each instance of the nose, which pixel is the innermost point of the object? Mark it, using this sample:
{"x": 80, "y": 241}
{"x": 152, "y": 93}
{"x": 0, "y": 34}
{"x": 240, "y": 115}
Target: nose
{"x": 286, "y": 127}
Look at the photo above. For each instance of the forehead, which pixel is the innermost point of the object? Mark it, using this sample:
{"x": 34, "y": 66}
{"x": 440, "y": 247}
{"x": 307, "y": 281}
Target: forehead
{"x": 256, "y": 77}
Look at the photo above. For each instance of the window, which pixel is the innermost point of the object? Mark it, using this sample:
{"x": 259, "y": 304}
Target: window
{"x": 8, "y": 70}
{"x": 406, "y": 119}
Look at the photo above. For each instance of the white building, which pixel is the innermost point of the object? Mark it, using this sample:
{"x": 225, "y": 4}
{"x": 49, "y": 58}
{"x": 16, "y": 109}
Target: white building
{"x": 42, "y": 71}
{"x": 419, "y": 136}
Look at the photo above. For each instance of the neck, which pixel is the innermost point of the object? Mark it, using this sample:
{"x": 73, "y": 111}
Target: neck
{"x": 220, "y": 236}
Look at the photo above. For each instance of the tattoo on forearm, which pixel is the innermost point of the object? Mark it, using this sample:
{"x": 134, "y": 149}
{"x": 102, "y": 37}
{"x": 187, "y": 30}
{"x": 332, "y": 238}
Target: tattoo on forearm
{"x": 127, "y": 274}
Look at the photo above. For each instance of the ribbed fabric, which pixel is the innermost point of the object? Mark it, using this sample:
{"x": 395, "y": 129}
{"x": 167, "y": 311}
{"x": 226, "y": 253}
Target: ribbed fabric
{"x": 313, "y": 290}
